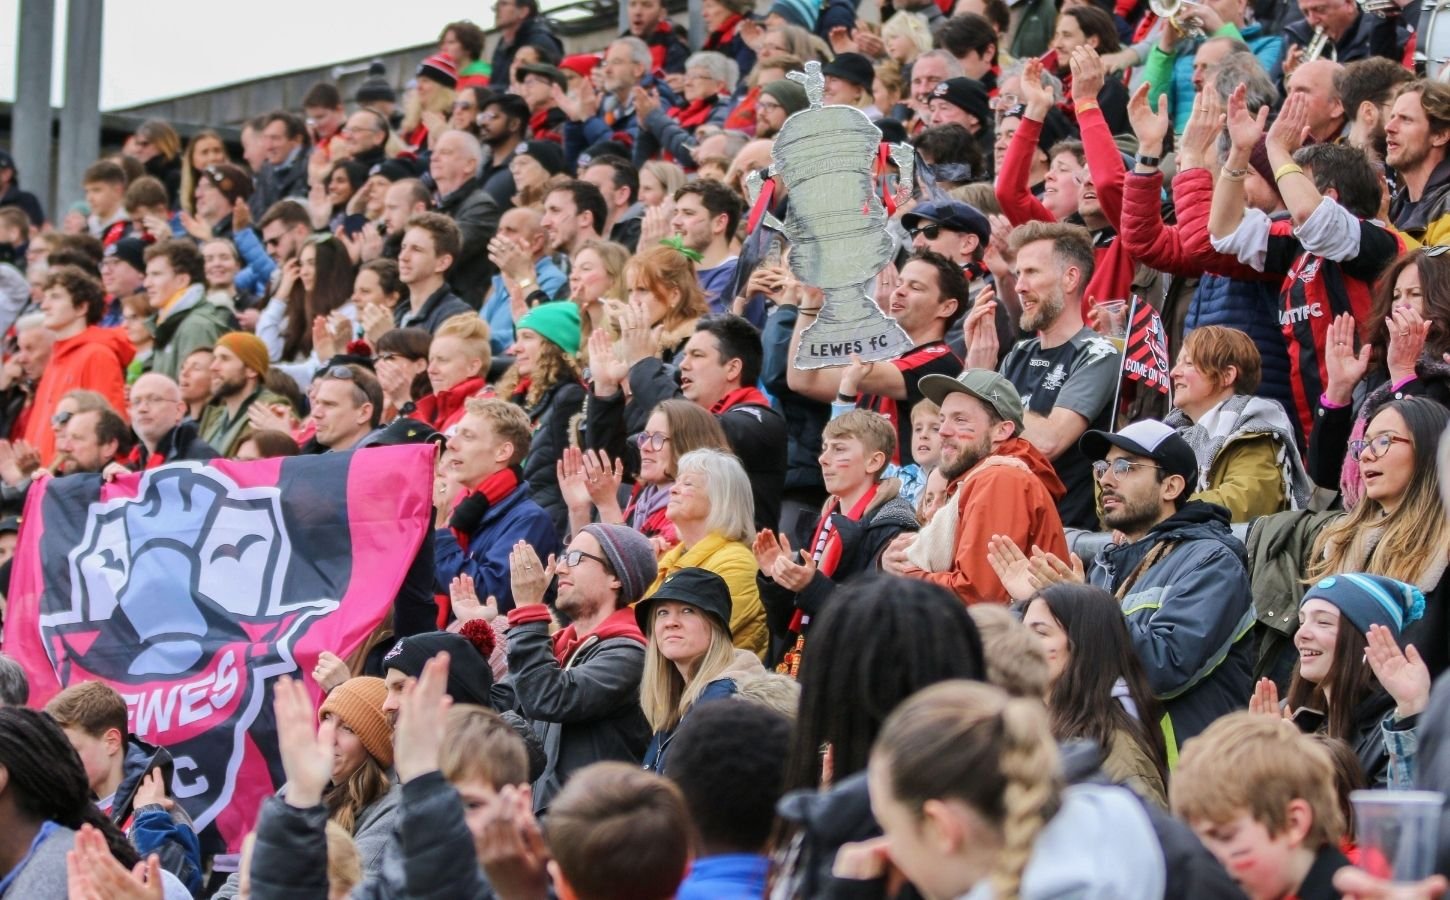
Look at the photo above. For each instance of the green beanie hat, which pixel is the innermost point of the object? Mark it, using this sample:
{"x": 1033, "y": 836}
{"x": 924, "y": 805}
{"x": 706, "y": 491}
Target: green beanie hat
{"x": 557, "y": 322}
{"x": 791, "y": 96}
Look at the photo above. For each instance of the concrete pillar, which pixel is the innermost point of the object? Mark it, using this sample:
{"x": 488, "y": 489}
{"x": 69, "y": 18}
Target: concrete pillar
{"x": 80, "y": 118}
{"x": 30, "y": 124}
{"x": 697, "y": 25}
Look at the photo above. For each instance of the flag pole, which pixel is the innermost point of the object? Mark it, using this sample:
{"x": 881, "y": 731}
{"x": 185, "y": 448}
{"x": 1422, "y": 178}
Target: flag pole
{"x": 1127, "y": 335}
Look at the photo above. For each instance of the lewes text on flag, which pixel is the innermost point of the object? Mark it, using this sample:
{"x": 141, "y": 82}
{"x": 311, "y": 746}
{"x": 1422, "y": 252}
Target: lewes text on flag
{"x": 190, "y": 589}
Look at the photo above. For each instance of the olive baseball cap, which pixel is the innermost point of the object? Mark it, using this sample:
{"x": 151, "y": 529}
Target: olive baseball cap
{"x": 984, "y": 384}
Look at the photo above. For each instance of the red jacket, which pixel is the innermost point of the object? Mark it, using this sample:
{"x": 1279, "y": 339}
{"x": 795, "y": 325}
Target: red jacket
{"x": 1183, "y": 249}
{"x": 94, "y": 360}
{"x": 1113, "y": 273}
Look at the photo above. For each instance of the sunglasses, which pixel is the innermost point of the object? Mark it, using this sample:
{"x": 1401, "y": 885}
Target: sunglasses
{"x": 344, "y": 372}
{"x": 1436, "y": 250}
{"x": 59, "y": 419}
{"x": 930, "y": 232}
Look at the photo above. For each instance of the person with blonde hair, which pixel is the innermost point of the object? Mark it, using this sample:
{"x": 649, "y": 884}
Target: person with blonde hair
{"x": 658, "y": 181}
{"x": 458, "y": 359}
{"x": 1262, "y": 799}
{"x": 967, "y": 785}
{"x": 906, "y": 36}
{"x": 596, "y": 274}
{"x": 713, "y": 512}
{"x": 689, "y": 658}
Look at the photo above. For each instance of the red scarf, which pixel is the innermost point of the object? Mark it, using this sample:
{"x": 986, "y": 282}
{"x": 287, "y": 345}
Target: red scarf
{"x": 739, "y": 397}
{"x": 657, "y": 51}
{"x": 694, "y": 115}
{"x": 826, "y": 551}
{"x": 725, "y": 35}
{"x": 492, "y": 489}
{"x": 442, "y": 409}
{"x": 540, "y": 129}
{"x": 742, "y": 117}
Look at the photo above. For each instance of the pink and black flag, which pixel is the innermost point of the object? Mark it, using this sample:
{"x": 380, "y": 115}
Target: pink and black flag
{"x": 191, "y": 588}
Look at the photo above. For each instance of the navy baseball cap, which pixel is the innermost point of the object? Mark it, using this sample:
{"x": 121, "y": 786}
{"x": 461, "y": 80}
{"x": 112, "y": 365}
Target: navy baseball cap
{"x": 953, "y": 215}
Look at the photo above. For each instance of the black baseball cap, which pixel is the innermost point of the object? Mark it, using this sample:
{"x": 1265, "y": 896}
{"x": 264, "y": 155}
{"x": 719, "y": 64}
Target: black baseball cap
{"x": 953, "y": 215}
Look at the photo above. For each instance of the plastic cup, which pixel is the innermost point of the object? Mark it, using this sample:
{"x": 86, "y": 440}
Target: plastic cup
{"x": 1397, "y": 832}
{"x": 1113, "y": 320}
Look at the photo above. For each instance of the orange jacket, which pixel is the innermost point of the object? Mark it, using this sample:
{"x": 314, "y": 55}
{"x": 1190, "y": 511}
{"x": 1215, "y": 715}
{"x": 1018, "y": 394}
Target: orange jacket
{"x": 1013, "y": 492}
{"x": 94, "y": 360}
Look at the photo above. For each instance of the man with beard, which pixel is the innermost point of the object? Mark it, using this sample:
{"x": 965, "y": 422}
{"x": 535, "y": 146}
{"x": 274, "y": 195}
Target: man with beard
{"x": 88, "y": 441}
{"x": 1367, "y": 90}
{"x": 1178, "y": 571}
{"x": 238, "y": 366}
{"x": 502, "y": 123}
{"x": 579, "y": 687}
{"x": 1416, "y": 137}
{"x": 1066, "y": 373}
{"x": 999, "y": 485}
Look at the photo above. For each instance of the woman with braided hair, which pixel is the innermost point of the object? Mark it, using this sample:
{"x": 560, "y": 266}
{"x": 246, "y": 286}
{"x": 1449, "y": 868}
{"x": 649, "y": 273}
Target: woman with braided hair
{"x": 44, "y": 799}
{"x": 968, "y": 787}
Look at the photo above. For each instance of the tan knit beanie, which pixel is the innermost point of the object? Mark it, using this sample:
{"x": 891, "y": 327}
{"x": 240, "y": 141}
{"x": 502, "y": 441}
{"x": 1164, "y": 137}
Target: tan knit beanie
{"x": 358, "y": 702}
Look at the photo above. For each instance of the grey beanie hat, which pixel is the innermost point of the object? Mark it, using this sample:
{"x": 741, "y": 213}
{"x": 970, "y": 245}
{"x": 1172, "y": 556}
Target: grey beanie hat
{"x": 630, "y": 555}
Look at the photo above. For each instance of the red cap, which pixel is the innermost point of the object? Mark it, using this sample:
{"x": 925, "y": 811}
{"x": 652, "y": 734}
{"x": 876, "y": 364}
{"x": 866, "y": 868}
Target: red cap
{"x": 582, "y": 63}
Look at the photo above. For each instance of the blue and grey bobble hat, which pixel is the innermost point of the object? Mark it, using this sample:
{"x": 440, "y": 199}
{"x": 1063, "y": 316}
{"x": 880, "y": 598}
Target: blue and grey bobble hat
{"x": 1369, "y": 600}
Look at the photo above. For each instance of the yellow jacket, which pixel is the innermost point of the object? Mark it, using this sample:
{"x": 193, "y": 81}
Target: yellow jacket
{"x": 733, "y": 561}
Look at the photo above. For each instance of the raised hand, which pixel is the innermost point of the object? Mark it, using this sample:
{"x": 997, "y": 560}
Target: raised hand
{"x": 791, "y": 575}
{"x": 1150, "y": 123}
{"x": 645, "y": 102}
{"x": 376, "y": 321}
{"x": 1199, "y": 144}
{"x": 1048, "y": 568}
{"x": 1342, "y": 365}
{"x": 602, "y": 477}
{"x": 529, "y": 577}
{"x": 306, "y": 752}
{"x": 1036, "y": 95}
{"x": 92, "y": 873}
{"x": 573, "y": 483}
{"x": 1088, "y": 75}
{"x": 322, "y": 343}
{"x": 268, "y": 418}
{"x": 1408, "y": 332}
{"x": 152, "y": 791}
{"x": 842, "y": 41}
{"x": 1402, "y": 673}
{"x": 637, "y": 337}
{"x": 980, "y": 331}
{"x": 512, "y": 851}
{"x": 1290, "y": 129}
{"x": 767, "y": 550}
{"x": 1013, "y": 567}
{"x": 241, "y": 215}
{"x": 656, "y": 224}
{"x": 463, "y": 597}
{"x": 1265, "y": 700}
{"x": 291, "y": 271}
{"x": 1243, "y": 129}
{"x": 330, "y": 671}
{"x": 193, "y": 226}
{"x": 422, "y": 715}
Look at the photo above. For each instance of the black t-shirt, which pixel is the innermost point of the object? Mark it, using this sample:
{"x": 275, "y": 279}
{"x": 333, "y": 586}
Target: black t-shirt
{"x": 935, "y": 358}
{"x": 1080, "y": 375}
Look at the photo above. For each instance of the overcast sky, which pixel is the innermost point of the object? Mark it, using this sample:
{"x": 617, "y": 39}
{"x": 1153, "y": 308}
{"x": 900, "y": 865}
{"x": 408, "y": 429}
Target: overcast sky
{"x": 161, "y": 48}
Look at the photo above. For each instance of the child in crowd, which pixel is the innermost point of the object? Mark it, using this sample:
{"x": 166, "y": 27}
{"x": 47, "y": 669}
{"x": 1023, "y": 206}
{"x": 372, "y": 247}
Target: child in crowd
{"x": 1261, "y": 796}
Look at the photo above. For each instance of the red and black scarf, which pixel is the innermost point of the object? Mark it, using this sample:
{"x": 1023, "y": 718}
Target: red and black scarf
{"x": 469, "y": 510}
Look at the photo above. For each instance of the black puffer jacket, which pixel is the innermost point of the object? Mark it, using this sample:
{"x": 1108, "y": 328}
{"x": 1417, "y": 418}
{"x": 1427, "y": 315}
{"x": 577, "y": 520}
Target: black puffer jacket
{"x": 862, "y": 542}
{"x": 476, "y": 214}
{"x": 551, "y": 418}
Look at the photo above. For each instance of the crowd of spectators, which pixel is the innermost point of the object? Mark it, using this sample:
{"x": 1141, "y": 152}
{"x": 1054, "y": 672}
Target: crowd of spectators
{"x": 981, "y": 620}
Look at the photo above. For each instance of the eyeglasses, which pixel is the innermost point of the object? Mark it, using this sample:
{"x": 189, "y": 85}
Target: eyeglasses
{"x": 272, "y": 241}
{"x": 59, "y": 419}
{"x": 1120, "y": 467}
{"x": 763, "y": 106}
{"x": 651, "y": 440}
{"x": 1380, "y": 444}
{"x": 930, "y": 232}
{"x": 148, "y": 400}
{"x": 461, "y": 105}
{"x": 571, "y": 558}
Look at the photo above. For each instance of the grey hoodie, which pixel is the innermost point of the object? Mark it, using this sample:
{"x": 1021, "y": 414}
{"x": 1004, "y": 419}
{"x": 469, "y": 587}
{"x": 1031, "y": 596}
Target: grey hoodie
{"x": 1071, "y": 860}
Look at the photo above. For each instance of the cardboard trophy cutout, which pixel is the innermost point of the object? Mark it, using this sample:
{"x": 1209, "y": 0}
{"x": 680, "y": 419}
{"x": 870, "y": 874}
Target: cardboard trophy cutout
{"x": 836, "y": 224}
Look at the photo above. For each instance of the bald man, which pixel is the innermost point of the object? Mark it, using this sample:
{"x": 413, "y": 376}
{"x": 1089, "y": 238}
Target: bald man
{"x": 1326, "y": 111}
{"x": 164, "y": 432}
{"x": 521, "y": 252}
